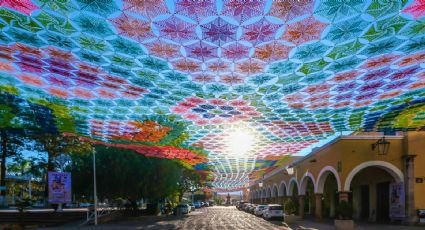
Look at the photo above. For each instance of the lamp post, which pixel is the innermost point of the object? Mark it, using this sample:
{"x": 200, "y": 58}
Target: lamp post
{"x": 30, "y": 188}
{"x": 94, "y": 186}
{"x": 193, "y": 190}
{"x": 382, "y": 145}
{"x": 261, "y": 196}
{"x": 290, "y": 170}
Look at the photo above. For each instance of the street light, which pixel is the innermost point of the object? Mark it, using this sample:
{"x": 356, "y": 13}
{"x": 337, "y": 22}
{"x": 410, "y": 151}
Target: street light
{"x": 260, "y": 184}
{"x": 94, "y": 186}
{"x": 290, "y": 170}
{"x": 382, "y": 145}
{"x": 192, "y": 190}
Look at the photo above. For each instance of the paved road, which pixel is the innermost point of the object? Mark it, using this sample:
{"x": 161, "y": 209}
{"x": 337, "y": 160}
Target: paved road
{"x": 211, "y": 218}
{"x": 222, "y": 218}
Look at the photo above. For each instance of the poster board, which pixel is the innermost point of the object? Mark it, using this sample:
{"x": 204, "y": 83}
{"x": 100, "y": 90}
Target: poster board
{"x": 397, "y": 201}
{"x": 59, "y": 187}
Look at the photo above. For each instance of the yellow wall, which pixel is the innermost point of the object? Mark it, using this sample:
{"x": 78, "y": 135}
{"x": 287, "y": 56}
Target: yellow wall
{"x": 416, "y": 146}
{"x": 354, "y": 150}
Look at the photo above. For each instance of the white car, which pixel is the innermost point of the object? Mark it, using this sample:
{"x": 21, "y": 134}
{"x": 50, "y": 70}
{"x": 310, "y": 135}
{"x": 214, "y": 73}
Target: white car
{"x": 183, "y": 208}
{"x": 273, "y": 211}
{"x": 258, "y": 211}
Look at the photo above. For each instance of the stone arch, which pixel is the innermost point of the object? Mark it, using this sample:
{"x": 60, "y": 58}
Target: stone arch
{"x": 395, "y": 172}
{"x": 321, "y": 179}
{"x": 275, "y": 191}
{"x": 282, "y": 189}
{"x": 269, "y": 192}
{"x": 303, "y": 183}
{"x": 292, "y": 182}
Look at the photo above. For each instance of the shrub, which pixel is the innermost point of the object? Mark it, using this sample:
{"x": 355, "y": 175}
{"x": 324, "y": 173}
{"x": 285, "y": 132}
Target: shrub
{"x": 23, "y": 204}
{"x": 289, "y": 207}
{"x": 344, "y": 210}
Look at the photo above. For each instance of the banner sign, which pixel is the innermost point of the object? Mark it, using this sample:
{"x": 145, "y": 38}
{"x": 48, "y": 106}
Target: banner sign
{"x": 59, "y": 187}
{"x": 397, "y": 201}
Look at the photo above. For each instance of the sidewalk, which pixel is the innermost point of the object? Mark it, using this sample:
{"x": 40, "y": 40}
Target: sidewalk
{"x": 310, "y": 224}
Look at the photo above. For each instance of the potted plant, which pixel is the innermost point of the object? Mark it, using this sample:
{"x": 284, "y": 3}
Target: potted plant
{"x": 344, "y": 219}
{"x": 290, "y": 210}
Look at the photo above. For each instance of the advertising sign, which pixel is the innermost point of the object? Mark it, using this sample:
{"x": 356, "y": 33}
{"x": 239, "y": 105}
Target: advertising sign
{"x": 397, "y": 201}
{"x": 59, "y": 187}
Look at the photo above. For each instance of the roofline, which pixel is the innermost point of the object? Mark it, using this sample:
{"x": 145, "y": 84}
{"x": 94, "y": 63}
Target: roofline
{"x": 318, "y": 149}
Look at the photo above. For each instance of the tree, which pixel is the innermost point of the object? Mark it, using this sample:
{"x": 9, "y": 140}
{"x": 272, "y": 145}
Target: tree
{"x": 11, "y": 140}
{"x": 128, "y": 175}
{"x": 19, "y": 165}
{"x": 189, "y": 181}
{"x": 56, "y": 145}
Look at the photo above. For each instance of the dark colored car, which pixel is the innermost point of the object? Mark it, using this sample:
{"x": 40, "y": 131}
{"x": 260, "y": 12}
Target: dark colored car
{"x": 240, "y": 205}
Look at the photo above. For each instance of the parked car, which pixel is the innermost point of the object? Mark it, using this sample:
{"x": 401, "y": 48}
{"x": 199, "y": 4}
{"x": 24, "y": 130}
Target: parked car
{"x": 84, "y": 205}
{"x": 71, "y": 205}
{"x": 273, "y": 211}
{"x": 246, "y": 207}
{"x": 182, "y": 208}
{"x": 192, "y": 207}
{"x": 240, "y": 205}
{"x": 252, "y": 208}
{"x": 198, "y": 204}
{"x": 259, "y": 210}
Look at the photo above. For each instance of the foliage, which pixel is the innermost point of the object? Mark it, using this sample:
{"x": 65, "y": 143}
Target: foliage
{"x": 57, "y": 144}
{"x": 124, "y": 174}
{"x": 344, "y": 210}
{"x": 219, "y": 200}
{"x": 11, "y": 144}
{"x": 189, "y": 181}
{"x": 22, "y": 204}
{"x": 289, "y": 207}
{"x": 7, "y": 116}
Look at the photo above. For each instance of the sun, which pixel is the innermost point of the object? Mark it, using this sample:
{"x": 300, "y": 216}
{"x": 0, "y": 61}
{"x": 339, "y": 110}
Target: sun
{"x": 240, "y": 142}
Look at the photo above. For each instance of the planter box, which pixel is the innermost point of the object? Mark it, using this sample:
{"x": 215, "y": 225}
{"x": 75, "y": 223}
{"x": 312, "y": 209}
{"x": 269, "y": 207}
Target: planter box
{"x": 290, "y": 219}
{"x": 344, "y": 224}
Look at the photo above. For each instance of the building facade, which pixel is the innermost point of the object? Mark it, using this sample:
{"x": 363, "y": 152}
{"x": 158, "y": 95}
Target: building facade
{"x": 381, "y": 186}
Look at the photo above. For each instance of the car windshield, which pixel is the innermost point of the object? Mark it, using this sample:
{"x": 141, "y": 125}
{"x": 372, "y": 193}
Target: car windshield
{"x": 275, "y": 208}
{"x": 182, "y": 206}
{"x": 261, "y": 207}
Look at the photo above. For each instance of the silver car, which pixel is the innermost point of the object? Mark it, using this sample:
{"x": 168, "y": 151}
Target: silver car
{"x": 274, "y": 211}
{"x": 258, "y": 211}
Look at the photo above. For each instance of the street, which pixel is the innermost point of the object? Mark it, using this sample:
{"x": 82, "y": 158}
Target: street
{"x": 211, "y": 218}
{"x": 220, "y": 218}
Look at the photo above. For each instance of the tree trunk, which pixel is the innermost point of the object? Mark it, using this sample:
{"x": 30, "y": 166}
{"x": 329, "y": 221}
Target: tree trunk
{"x": 50, "y": 167}
{"x": 4, "y": 140}
{"x": 180, "y": 196}
{"x": 3, "y": 161}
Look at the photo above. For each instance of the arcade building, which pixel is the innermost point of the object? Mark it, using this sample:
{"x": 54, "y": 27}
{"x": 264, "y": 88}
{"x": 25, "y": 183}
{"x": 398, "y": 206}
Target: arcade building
{"x": 381, "y": 176}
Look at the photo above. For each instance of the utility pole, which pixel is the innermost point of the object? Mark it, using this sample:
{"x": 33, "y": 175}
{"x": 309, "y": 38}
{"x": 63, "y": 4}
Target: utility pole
{"x": 94, "y": 186}
{"x": 30, "y": 187}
